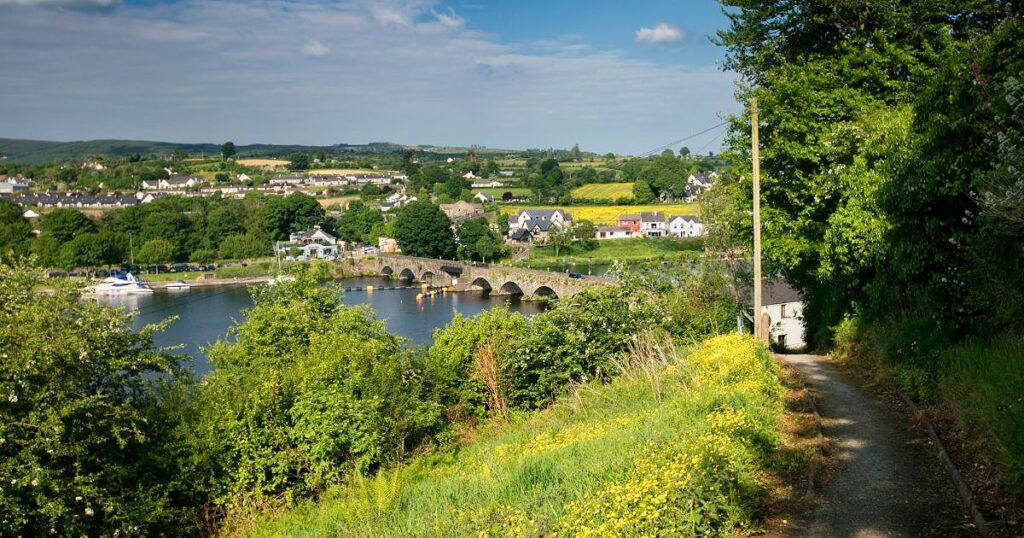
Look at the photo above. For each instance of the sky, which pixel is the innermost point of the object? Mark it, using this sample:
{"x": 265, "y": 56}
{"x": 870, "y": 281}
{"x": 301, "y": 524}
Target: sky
{"x": 616, "y": 76}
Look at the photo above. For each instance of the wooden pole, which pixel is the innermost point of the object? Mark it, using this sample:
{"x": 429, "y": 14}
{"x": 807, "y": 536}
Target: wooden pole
{"x": 759, "y": 332}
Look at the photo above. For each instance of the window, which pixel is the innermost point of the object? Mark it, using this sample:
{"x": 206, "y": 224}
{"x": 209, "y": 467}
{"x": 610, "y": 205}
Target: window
{"x": 782, "y": 340}
{"x": 782, "y": 310}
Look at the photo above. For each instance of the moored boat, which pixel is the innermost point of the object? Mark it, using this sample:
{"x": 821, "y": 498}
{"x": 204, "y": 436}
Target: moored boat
{"x": 177, "y": 285}
{"x": 121, "y": 285}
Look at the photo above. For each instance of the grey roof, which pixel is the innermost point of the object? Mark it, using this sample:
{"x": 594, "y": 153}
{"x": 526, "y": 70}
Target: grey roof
{"x": 181, "y": 180}
{"x": 648, "y": 216}
{"x": 778, "y": 292}
{"x": 534, "y": 214}
{"x": 687, "y": 218}
{"x": 520, "y": 234}
{"x": 543, "y": 225}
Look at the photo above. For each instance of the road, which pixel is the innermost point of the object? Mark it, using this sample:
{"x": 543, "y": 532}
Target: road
{"x": 886, "y": 481}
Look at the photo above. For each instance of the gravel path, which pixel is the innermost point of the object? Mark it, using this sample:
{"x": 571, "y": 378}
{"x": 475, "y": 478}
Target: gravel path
{"x": 887, "y": 481}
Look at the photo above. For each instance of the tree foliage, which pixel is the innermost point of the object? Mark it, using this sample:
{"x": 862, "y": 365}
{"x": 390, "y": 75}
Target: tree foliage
{"x": 423, "y": 230}
{"x": 84, "y": 451}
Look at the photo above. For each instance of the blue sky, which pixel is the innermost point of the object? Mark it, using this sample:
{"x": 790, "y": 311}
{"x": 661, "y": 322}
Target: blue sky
{"x": 610, "y": 76}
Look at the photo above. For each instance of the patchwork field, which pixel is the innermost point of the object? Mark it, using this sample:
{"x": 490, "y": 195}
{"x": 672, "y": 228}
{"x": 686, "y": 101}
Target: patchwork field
{"x": 604, "y": 191}
{"x": 496, "y": 192}
{"x": 608, "y": 214}
{"x": 263, "y": 163}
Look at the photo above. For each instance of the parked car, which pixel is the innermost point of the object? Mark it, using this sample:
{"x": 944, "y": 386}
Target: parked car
{"x": 576, "y": 275}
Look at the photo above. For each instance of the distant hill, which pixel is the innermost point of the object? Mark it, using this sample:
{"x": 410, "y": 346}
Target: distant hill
{"x": 44, "y": 151}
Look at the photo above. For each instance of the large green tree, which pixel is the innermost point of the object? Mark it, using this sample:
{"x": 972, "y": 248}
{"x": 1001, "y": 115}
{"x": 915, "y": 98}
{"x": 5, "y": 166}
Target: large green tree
{"x": 15, "y": 229}
{"x": 358, "y": 220}
{"x": 422, "y": 229}
{"x": 63, "y": 224}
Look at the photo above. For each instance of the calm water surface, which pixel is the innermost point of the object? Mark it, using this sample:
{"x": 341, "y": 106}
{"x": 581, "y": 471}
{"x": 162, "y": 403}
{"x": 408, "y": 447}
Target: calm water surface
{"x": 205, "y": 314}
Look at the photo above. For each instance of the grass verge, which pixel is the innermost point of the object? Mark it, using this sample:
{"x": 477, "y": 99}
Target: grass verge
{"x": 971, "y": 390}
{"x": 609, "y": 250}
{"x": 675, "y": 446}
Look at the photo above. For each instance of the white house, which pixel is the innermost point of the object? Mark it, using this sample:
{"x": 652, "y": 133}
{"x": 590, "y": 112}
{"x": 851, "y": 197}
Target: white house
{"x": 470, "y": 175}
{"x": 243, "y": 177}
{"x": 527, "y": 218}
{"x": 288, "y": 179}
{"x": 652, "y": 224}
{"x": 482, "y": 198}
{"x": 782, "y": 309}
{"x": 701, "y": 181}
{"x": 396, "y": 200}
{"x": 612, "y": 232}
{"x": 685, "y": 226}
{"x": 309, "y": 244}
{"x": 487, "y": 184}
{"x": 29, "y": 214}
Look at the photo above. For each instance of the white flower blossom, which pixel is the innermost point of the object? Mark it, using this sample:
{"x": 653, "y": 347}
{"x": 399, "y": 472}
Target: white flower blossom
{"x": 13, "y": 398}
{"x": 35, "y": 482}
{"x": 89, "y": 512}
{"x": 78, "y": 499}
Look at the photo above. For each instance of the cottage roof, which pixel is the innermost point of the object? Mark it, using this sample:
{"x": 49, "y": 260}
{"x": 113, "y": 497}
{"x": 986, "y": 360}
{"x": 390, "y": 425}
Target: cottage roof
{"x": 543, "y": 214}
{"x": 685, "y": 218}
{"x": 652, "y": 216}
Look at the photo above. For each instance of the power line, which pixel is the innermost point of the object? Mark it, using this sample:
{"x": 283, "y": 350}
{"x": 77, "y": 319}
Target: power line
{"x": 683, "y": 139}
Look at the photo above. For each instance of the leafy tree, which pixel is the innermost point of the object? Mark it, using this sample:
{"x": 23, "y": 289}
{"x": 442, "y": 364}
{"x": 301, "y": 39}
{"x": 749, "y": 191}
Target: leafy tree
{"x": 202, "y": 256}
{"x": 475, "y": 233}
{"x": 369, "y": 191}
{"x": 155, "y": 252}
{"x": 684, "y": 152}
{"x": 240, "y": 247}
{"x": 427, "y": 176}
{"x": 299, "y": 160}
{"x": 227, "y": 218}
{"x": 15, "y": 229}
{"x": 642, "y": 192}
{"x": 422, "y": 229}
{"x": 227, "y": 150}
{"x": 585, "y": 232}
{"x": 168, "y": 224}
{"x": 293, "y": 213}
{"x": 85, "y": 449}
{"x": 455, "y": 186}
{"x": 356, "y": 223}
{"x": 63, "y": 224}
{"x": 86, "y": 250}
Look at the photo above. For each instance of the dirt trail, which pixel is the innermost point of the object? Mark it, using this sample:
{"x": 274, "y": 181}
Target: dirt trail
{"x": 887, "y": 480}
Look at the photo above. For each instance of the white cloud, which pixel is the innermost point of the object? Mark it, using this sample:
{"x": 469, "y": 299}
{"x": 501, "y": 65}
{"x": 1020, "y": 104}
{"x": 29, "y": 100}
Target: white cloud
{"x": 401, "y": 75}
{"x": 69, "y": 4}
{"x": 315, "y": 48}
{"x": 449, "y": 19}
{"x": 662, "y": 34}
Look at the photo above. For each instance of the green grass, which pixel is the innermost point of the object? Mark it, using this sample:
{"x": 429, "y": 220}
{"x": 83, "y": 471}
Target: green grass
{"x": 170, "y": 277}
{"x": 609, "y": 250}
{"x": 676, "y": 450}
{"x": 603, "y": 191}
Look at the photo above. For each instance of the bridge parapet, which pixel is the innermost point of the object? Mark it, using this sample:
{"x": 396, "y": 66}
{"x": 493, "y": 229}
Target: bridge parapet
{"x": 462, "y": 276}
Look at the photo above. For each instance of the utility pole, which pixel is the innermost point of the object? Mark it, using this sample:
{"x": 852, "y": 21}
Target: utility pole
{"x": 759, "y": 332}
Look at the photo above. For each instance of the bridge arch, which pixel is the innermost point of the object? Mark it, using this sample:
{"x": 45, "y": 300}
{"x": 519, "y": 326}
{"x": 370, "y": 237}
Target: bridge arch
{"x": 545, "y": 291}
{"x": 482, "y": 283}
{"x": 407, "y": 274}
{"x": 427, "y": 277}
{"x": 511, "y": 288}
{"x": 387, "y": 271}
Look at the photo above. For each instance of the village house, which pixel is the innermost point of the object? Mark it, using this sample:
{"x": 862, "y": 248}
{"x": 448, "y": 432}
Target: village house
{"x": 288, "y": 179}
{"x": 173, "y": 183}
{"x": 685, "y": 226}
{"x": 396, "y": 200}
{"x": 492, "y": 184}
{"x": 782, "y": 311}
{"x": 318, "y": 180}
{"x": 650, "y": 224}
{"x": 483, "y": 198}
{"x": 14, "y": 185}
{"x": 308, "y": 245}
{"x": 461, "y": 211}
{"x": 536, "y": 225}
{"x": 699, "y": 182}
{"x": 470, "y": 175}
{"x": 612, "y": 232}
{"x": 387, "y": 244}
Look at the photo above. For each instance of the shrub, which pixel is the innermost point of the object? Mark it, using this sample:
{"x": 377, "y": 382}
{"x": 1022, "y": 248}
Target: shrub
{"x": 309, "y": 392}
{"x": 83, "y": 449}
{"x": 574, "y": 341}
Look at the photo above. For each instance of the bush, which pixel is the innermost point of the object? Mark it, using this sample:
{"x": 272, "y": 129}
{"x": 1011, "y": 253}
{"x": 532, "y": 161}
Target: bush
{"x": 83, "y": 444}
{"x": 574, "y": 341}
{"x": 308, "y": 393}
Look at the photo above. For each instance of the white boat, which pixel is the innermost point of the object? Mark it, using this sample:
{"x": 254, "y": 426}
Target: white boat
{"x": 115, "y": 285}
{"x": 177, "y": 285}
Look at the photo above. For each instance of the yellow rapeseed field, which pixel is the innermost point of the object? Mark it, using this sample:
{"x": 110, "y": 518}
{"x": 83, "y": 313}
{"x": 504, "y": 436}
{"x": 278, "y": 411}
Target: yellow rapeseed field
{"x": 603, "y": 191}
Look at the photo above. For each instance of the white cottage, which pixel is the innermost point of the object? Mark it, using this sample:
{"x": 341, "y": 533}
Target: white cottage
{"x": 685, "y": 226}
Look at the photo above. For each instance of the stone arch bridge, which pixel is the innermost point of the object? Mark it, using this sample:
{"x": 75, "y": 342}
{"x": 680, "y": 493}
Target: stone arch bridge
{"x": 461, "y": 276}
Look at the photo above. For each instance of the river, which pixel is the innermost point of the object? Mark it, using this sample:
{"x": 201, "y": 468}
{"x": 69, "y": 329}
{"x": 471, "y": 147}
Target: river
{"x": 206, "y": 313}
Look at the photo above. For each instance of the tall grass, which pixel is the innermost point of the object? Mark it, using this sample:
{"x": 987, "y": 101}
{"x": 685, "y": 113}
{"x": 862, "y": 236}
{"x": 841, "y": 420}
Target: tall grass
{"x": 675, "y": 446}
